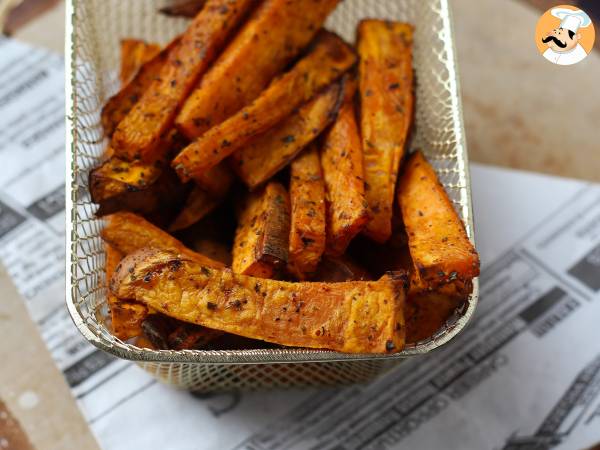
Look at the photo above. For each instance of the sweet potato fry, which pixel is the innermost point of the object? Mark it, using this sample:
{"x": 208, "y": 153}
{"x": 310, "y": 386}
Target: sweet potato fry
{"x": 326, "y": 62}
{"x": 440, "y": 249}
{"x": 144, "y": 188}
{"x": 198, "y": 204}
{"x": 188, "y": 336}
{"x": 138, "y": 134}
{"x": 386, "y": 97}
{"x": 342, "y": 162}
{"x": 134, "y": 54}
{"x": 183, "y": 8}
{"x": 307, "y": 199}
{"x": 353, "y": 317}
{"x": 126, "y": 317}
{"x": 128, "y": 232}
{"x": 261, "y": 239}
{"x": 270, "y": 152}
{"x": 272, "y": 36}
{"x": 121, "y": 103}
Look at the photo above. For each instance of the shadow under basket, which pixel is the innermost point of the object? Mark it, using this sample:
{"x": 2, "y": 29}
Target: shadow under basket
{"x": 94, "y": 30}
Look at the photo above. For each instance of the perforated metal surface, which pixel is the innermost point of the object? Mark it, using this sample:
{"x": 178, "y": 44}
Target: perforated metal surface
{"x": 94, "y": 29}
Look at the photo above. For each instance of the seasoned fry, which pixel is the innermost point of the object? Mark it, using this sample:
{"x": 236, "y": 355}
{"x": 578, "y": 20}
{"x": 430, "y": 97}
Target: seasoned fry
{"x": 342, "y": 162}
{"x": 138, "y": 135}
{"x": 198, "y": 204}
{"x": 183, "y": 8}
{"x": 270, "y": 152}
{"x": 261, "y": 239}
{"x": 439, "y": 246}
{"x": 307, "y": 199}
{"x": 272, "y": 36}
{"x": 126, "y": 317}
{"x": 128, "y": 232}
{"x": 134, "y": 54}
{"x": 353, "y": 317}
{"x": 120, "y": 104}
{"x": 325, "y": 63}
{"x": 386, "y": 97}
{"x": 144, "y": 188}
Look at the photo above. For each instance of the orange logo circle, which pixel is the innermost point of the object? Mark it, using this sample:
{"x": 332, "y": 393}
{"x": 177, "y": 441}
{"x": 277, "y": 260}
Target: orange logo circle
{"x": 565, "y": 35}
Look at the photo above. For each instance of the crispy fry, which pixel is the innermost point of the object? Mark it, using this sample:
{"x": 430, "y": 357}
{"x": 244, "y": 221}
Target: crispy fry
{"x": 272, "y": 36}
{"x": 189, "y": 336}
{"x": 128, "y": 232}
{"x": 183, "y": 8}
{"x": 198, "y": 204}
{"x": 353, "y": 317}
{"x": 342, "y": 162}
{"x": 134, "y": 54}
{"x": 307, "y": 199}
{"x": 439, "y": 246}
{"x": 261, "y": 239}
{"x": 121, "y": 103}
{"x": 272, "y": 151}
{"x": 326, "y": 62}
{"x": 143, "y": 188}
{"x": 386, "y": 94}
{"x": 138, "y": 135}
{"x": 126, "y": 317}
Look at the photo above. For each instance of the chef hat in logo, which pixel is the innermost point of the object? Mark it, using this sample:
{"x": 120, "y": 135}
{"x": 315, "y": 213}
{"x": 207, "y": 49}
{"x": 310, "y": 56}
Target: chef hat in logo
{"x": 571, "y": 19}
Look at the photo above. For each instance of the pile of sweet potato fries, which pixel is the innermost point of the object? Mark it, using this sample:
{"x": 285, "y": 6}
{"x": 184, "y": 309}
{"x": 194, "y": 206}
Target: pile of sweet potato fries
{"x": 258, "y": 184}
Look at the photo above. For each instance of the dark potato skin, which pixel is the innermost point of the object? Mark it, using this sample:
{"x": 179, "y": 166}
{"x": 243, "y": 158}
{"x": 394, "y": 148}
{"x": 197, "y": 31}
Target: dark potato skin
{"x": 352, "y": 317}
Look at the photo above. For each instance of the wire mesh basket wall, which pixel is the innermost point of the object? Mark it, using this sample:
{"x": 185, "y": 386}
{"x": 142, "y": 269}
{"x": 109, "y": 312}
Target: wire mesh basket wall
{"x": 94, "y": 29}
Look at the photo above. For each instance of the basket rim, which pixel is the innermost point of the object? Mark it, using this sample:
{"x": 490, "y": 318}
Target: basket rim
{"x": 131, "y": 352}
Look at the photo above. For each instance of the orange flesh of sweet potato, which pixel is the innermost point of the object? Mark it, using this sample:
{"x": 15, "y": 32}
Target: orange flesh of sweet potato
{"x": 138, "y": 134}
{"x": 115, "y": 177}
{"x": 427, "y": 312}
{"x": 261, "y": 238}
{"x": 270, "y": 152}
{"x": 198, "y": 204}
{"x": 326, "y": 62}
{"x": 353, "y": 317}
{"x": 386, "y": 97}
{"x": 439, "y": 246}
{"x": 275, "y": 32}
{"x": 128, "y": 232}
{"x": 126, "y": 317}
{"x": 333, "y": 269}
{"x": 342, "y": 162}
{"x": 134, "y": 54}
{"x": 121, "y": 103}
{"x": 216, "y": 180}
{"x": 307, "y": 199}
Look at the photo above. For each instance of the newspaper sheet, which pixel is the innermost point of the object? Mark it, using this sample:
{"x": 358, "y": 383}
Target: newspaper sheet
{"x": 524, "y": 375}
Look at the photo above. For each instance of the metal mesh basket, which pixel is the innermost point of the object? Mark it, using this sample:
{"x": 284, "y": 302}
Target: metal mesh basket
{"x": 94, "y": 29}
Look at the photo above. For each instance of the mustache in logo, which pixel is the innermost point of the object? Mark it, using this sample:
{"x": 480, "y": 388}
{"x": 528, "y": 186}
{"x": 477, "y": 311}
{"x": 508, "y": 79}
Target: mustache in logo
{"x": 556, "y": 41}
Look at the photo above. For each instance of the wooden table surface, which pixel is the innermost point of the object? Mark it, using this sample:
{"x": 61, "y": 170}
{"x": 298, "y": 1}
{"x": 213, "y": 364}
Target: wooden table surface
{"x": 520, "y": 112}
